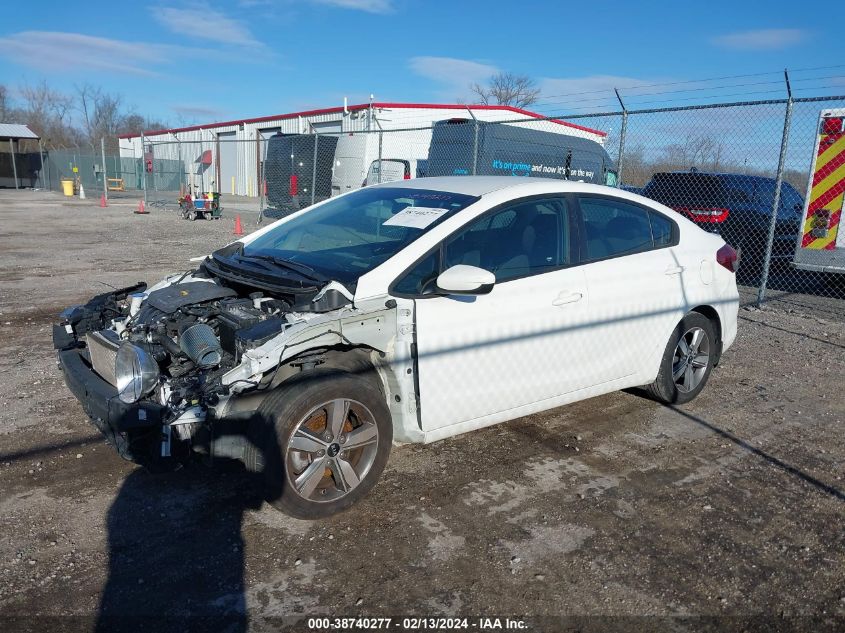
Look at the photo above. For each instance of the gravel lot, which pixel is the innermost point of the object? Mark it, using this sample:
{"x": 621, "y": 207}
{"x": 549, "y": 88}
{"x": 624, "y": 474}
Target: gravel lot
{"x": 730, "y": 508}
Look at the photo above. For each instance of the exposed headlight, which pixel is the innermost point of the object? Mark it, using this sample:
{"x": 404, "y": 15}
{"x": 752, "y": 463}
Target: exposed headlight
{"x": 135, "y": 371}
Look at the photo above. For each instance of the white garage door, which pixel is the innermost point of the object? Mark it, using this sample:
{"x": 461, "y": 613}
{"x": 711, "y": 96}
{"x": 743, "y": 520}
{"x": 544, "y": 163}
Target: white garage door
{"x": 228, "y": 162}
{"x": 328, "y": 127}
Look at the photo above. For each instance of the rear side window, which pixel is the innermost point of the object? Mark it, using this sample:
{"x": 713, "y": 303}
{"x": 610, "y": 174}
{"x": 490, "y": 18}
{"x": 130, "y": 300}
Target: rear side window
{"x": 614, "y": 228}
{"x": 661, "y": 229}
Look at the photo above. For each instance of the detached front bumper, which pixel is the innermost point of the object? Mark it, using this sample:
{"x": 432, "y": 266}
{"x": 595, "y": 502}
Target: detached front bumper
{"x": 107, "y": 412}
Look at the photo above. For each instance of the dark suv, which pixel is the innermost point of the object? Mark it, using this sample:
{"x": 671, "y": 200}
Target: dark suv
{"x": 737, "y": 207}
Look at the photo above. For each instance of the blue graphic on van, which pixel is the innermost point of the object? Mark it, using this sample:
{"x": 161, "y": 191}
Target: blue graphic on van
{"x": 516, "y": 169}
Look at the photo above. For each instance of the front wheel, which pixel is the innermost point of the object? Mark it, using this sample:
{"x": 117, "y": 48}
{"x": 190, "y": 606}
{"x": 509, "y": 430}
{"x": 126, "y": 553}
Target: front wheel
{"x": 687, "y": 361}
{"x": 320, "y": 444}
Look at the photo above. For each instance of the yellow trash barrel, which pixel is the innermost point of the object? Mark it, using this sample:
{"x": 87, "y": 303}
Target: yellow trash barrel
{"x": 67, "y": 187}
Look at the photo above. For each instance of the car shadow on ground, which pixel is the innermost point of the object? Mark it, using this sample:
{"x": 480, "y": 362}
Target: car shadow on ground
{"x": 746, "y": 446}
{"x": 176, "y": 550}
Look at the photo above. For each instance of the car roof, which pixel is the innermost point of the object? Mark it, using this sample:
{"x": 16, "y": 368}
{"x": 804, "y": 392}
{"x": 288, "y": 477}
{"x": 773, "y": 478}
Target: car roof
{"x": 481, "y": 185}
{"x": 720, "y": 174}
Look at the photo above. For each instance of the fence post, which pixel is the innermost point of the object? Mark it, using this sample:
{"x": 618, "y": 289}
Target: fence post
{"x": 379, "y": 154}
{"x": 105, "y": 171}
{"x": 144, "y": 167}
{"x": 474, "y": 142}
{"x": 14, "y": 162}
{"x": 622, "y": 133}
{"x": 784, "y": 142}
{"x": 261, "y": 168}
{"x": 41, "y": 173}
{"x": 314, "y": 167}
{"x": 182, "y": 172}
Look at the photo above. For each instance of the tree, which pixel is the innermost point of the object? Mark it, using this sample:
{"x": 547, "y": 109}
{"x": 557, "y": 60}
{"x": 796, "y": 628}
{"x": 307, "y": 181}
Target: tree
{"x": 5, "y": 106}
{"x": 47, "y": 113}
{"x": 696, "y": 150}
{"x": 506, "y": 88}
{"x": 101, "y": 113}
{"x": 636, "y": 171}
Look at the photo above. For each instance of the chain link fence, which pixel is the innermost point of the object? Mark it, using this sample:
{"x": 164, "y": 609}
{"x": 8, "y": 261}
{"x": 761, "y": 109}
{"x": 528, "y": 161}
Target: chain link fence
{"x": 768, "y": 176}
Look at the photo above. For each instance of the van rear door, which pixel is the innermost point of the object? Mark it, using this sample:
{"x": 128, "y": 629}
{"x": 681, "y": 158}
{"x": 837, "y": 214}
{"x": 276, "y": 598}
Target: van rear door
{"x": 349, "y": 165}
{"x": 390, "y": 169}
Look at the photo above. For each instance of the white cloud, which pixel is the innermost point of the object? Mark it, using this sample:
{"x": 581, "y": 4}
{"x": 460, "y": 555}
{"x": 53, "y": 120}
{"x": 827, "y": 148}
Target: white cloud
{"x": 455, "y": 75}
{"x": 189, "y": 110}
{"x": 50, "y": 51}
{"x": 370, "y": 6}
{"x": 761, "y": 40}
{"x": 200, "y": 21}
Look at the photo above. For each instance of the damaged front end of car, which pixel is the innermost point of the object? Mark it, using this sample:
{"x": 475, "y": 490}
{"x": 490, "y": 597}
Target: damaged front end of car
{"x": 163, "y": 372}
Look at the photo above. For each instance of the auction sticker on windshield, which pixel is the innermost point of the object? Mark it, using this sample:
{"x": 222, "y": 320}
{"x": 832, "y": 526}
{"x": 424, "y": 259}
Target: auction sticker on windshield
{"x": 416, "y": 217}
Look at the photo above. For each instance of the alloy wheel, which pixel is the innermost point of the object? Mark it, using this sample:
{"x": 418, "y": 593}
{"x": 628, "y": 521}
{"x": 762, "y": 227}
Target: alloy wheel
{"x": 691, "y": 359}
{"x": 331, "y": 450}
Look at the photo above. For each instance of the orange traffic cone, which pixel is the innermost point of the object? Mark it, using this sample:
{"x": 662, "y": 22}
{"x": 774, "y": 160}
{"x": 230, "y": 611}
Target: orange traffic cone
{"x": 239, "y": 229}
{"x": 103, "y": 203}
{"x": 141, "y": 210}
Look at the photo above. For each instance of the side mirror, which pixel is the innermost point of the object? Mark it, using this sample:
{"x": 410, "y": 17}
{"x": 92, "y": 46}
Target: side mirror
{"x": 461, "y": 279}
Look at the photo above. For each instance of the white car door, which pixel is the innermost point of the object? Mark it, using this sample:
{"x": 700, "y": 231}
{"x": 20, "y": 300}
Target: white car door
{"x": 635, "y": 281}
{"x": 522, "y": 343}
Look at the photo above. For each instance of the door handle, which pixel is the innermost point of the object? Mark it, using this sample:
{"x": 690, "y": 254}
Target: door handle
{"x": 674, "y": 270}
{"x": 567, "y": 297}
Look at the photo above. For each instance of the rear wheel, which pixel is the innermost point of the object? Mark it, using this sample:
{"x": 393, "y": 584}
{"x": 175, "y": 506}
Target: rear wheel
{"x": 320, "y": 444}
{"x": 687, "y": 361}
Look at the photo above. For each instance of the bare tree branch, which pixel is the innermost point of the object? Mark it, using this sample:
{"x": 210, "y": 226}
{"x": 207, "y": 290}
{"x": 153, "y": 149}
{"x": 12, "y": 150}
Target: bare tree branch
{"x": 506, "y": 88}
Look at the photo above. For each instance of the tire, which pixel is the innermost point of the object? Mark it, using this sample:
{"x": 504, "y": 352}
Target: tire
{"x": 671, "y": 388}
{"x": 297, "y": 416}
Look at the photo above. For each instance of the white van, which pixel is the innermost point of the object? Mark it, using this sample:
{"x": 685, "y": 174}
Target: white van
{"x": 404, "y": 155}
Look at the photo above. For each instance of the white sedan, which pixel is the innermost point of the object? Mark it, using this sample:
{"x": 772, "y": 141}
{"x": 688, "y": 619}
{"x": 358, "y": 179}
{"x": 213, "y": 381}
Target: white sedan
{"x": 405, "y": 312}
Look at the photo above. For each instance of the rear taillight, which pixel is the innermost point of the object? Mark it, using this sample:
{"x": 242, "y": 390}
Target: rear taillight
{"x": 709, "y": 215}
{"x": 728, "y": 257}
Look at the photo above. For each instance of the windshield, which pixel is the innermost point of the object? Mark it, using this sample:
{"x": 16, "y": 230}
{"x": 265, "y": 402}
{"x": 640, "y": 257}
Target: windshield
{"x": 349, "y": 236}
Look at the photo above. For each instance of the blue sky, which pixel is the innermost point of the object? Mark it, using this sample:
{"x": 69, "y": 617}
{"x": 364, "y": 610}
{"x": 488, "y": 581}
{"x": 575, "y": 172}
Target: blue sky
{"x": 201, "y": 61}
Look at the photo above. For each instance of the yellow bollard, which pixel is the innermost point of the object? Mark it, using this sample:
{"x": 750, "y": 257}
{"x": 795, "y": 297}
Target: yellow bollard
{"x": 233, "y": 185}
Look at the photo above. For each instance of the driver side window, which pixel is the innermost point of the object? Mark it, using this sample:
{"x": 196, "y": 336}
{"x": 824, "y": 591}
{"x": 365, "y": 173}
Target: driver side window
{"x": 517, "y": 241}
{"x": 522, "y": 240}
